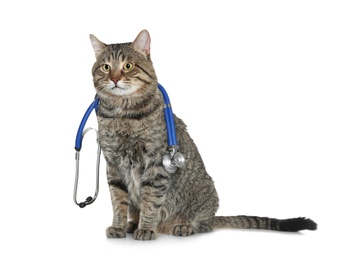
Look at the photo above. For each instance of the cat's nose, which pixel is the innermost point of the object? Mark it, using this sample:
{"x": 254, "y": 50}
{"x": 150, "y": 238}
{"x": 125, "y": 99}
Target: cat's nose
{"x": 115, "y": 80}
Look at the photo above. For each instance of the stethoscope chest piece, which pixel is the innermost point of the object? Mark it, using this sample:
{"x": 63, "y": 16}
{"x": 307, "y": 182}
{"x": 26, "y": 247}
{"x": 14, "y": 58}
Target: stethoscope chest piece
{"x": 173, "y": 160}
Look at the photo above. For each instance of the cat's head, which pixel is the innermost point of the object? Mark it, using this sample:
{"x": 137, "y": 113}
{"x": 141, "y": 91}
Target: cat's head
{"x": 123, "y": 70}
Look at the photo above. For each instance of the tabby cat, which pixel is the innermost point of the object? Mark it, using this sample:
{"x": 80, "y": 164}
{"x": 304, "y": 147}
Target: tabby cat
{"x": 146, "y": 199}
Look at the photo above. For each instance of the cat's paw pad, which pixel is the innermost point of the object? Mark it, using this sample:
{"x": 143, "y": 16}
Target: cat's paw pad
{"x": 144, "y": 234}
{"x": 115, "y": 232}
{"x": 131, "y": 227}
{"x": 183, "y": 230}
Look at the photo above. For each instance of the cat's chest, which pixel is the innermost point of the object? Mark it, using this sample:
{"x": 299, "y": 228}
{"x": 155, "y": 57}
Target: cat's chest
{"x": 125, "y": 145}
{"x": 121, "y": 138}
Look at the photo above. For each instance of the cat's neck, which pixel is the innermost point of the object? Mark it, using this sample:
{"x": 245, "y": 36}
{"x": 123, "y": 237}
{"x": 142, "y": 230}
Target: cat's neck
{"x": 131, "y": 106}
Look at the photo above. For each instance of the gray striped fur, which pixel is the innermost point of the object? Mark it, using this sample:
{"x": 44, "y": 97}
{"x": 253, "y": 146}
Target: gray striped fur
{"x": 132, "y": 133}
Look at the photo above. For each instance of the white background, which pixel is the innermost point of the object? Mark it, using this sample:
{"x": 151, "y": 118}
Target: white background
{"x": 269, "y": 91}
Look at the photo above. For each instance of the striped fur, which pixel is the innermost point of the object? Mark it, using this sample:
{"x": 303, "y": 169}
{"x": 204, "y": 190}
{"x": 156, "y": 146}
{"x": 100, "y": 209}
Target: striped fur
{"x": 132, "y": 133}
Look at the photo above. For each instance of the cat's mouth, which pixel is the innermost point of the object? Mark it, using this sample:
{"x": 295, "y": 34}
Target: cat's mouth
{"x": 122, "y": 89}
{"x": 115, "y": 87}
{"x": 123, "y": 86}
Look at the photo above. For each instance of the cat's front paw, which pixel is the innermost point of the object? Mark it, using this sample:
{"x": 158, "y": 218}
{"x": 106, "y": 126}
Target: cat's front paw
{"x": 115, "y": 232}
{"x": 144, "y": 234}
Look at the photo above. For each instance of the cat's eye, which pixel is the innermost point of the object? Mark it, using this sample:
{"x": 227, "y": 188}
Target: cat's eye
{"x": 106, "y": 68}
{"x": 128, "y": 66}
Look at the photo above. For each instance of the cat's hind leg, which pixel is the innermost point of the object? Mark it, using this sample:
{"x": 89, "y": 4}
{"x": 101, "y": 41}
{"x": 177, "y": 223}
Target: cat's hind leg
{"x": 183, "y": 230}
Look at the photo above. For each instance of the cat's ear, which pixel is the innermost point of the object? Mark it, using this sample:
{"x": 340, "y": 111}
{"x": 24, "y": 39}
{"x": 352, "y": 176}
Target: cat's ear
{"x": 142, "y": 43}
{"x": 98, "y": 46}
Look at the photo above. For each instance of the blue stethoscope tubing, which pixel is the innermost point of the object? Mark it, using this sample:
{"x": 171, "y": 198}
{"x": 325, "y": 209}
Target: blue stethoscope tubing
{"x": 171, "y": 162}
{"x": 79, "y": 135}
{"x": 169, "y": 120}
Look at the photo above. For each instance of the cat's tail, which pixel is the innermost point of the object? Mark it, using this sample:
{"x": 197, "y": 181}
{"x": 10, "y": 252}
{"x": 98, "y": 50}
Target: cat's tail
{"x": 252, "y": 222}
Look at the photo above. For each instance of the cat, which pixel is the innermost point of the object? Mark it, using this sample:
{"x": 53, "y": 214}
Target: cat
{"x": 146, "y": 199}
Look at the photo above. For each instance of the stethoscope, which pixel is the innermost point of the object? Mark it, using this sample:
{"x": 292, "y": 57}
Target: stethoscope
{"x": 171, "y": 161}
